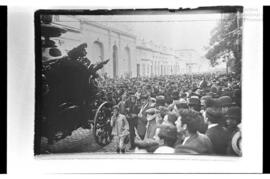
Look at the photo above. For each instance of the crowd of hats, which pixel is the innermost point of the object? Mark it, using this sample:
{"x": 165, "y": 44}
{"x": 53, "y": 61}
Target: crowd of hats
{"x": 186, "y": 92}
{"x": 209, "y": 92}
{"x": 166, "y": 89}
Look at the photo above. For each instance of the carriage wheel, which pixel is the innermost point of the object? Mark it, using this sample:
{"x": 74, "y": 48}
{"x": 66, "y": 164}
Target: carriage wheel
{"x": 102, "y": 128}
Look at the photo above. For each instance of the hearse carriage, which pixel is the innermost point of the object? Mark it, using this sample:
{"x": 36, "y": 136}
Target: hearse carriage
{"x": 70, "y": 96}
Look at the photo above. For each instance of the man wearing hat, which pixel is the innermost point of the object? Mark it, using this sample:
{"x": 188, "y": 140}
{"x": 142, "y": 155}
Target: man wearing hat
{"x": 175, "y": 97}
{"x": 203, "y": 84}
{"x": 132, "y": 117}
{"x": 160, "y": 101}
{"x": 142, "y": 121}
{"x": 225, "y": 102}
{"x": 120, "y": 129}
{"x": 233, "y": 121}
{"x": 237, "y": 97}
{"x": 214, "y": 91}
{"x": 206, "y": 101}
{"x": 218, "y": 135}
{"x": 181, "y": 104}
{"x": 152, "y": 102}
{"x": 194, "y": 103}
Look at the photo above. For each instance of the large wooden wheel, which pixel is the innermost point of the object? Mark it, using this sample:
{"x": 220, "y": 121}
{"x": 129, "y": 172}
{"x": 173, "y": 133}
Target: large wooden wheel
{"x": 102, "y": 128}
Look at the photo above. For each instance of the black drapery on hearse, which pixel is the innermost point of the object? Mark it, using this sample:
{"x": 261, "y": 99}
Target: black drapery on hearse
{"x": 70, "y": 96}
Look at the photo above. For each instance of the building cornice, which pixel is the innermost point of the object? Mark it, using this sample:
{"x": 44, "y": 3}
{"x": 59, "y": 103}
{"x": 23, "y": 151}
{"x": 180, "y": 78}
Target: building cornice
{"x": 68, "y": 27}
{"x": 152, "y": 50}
{"x": 108, "y": 28}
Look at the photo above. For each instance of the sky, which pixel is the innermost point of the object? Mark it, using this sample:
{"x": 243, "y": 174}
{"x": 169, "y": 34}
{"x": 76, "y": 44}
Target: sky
{"x": 182, "y": 31}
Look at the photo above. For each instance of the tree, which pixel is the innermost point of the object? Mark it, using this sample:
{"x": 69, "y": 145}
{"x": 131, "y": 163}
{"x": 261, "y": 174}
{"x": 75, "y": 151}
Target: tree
{"x": 226, "y": 42}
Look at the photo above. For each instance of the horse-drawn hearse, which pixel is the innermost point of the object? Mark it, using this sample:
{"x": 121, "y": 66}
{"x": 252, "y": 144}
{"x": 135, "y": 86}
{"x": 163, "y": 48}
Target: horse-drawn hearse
{"x": 70, "y": 96}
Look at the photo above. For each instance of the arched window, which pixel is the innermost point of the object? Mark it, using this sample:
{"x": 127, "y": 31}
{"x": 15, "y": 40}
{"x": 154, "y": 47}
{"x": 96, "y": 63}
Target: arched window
{"x": 98, "y": 52}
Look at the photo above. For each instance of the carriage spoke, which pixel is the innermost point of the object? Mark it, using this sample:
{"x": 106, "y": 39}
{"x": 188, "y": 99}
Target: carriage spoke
{"x": 102, "y": 125}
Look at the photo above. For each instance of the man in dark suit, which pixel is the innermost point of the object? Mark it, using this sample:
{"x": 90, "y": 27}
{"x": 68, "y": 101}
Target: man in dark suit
{"x": 233, "y": 124}
{"x": 218, "y": 135}
{"x": 142, "y": 121}
{"x": 132, "y": 117}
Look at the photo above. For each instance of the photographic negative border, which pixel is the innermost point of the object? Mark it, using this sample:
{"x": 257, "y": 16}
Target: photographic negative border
{"x": 3, "y": 102}
{"x": 24, "y": 132}
{"x": 154, "y": 11}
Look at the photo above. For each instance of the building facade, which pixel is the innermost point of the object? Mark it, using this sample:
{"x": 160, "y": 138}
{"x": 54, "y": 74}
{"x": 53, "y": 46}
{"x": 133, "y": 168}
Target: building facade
{"x": 194, "y": 62}
{"x": 103, "y": 43}
{"x": 155, "y": 60}
{"x": 129, "y": 56}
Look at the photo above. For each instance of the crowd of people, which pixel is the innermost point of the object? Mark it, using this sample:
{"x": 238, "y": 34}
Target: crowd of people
{"x": 182, "y": 114}
{"x": 185, "y": 114}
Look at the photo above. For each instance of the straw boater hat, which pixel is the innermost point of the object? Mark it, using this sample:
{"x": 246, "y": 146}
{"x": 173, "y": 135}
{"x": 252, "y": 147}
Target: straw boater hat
{"x": 194, "y": 100}
{"x": 182, "y": 103}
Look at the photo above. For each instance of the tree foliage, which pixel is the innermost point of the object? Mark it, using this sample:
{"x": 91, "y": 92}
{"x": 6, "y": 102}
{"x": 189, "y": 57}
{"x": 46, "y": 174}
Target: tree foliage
{"x": 226, "y": 42}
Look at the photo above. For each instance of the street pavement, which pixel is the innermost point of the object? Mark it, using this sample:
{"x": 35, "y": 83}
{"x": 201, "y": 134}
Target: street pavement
{"x": 81, "y": 140}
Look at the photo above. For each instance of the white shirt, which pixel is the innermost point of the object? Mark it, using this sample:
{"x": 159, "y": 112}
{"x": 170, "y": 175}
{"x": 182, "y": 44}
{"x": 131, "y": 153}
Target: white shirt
{"x": 212, "y": 125}
{"x": 185, "y": 140}
{"x": 164, "y": 150}
{"x": 140, "y": 113}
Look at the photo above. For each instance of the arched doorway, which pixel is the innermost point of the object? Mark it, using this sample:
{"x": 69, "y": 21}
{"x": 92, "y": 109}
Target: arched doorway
{"x": 127, "y": 57}
{"x": 115, "y": 61}
{"x": 98, "y": 53}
